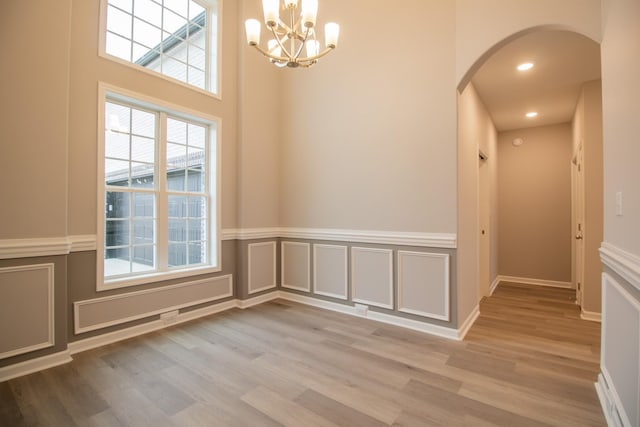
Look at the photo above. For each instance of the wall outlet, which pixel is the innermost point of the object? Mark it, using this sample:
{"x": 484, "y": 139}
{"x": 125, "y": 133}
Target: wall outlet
{"x": 362, "y": 309}
{"x": 169, "y": 316}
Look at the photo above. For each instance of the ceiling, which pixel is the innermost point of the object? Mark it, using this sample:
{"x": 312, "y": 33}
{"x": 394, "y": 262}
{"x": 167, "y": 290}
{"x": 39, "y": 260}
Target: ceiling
{"x": 562, "y": 62}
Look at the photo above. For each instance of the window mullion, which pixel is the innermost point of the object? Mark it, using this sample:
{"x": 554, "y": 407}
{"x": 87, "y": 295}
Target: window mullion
{"x": 162, "y": 221}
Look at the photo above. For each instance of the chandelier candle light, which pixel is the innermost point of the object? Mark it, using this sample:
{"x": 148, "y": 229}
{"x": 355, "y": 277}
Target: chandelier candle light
{"x": 288, "y": 42}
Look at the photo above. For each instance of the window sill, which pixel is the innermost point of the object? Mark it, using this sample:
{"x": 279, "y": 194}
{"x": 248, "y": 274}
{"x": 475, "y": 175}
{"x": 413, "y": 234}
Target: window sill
{"x": 107, "y": 285}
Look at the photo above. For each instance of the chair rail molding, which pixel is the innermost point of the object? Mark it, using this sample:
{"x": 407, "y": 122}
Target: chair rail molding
{"x": 622, "y": 262}
{"x": 46, "y": 246}
{"x": 399, "y": 238}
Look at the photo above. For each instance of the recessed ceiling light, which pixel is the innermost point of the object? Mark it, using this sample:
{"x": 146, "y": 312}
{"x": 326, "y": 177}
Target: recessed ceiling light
{"x": 531, "y": 114}
{"x": 525, "y": 66}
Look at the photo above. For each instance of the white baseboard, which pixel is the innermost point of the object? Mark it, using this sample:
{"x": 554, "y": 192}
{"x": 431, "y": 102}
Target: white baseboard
{"x": 34, "y": 365}
{"x": 468, "y": 323}
{"x": 536, "y": 282}
{"x": 260, "y": 299}
{"x": 60, "y": 358}
{"x": 494, "y": 285}
{"x": 591, "y": 315}
{"x": 389, "y": 319}
{"x": 610, "y": 403}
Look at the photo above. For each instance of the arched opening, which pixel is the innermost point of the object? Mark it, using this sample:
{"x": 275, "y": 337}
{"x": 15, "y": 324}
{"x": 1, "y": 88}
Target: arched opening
{"x": 519, "y": 177}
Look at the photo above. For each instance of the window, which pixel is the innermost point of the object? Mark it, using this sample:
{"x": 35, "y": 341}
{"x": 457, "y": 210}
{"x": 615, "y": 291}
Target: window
{"x": 176, "y": 38}
{"x": 159, "y": 184}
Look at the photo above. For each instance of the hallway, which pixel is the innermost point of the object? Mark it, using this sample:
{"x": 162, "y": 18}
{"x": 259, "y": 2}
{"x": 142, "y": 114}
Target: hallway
{"x": 528, "y": 361}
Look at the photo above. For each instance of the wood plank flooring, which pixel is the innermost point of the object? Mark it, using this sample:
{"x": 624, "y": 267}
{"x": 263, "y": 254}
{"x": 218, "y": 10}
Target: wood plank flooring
{"x": 528, "y": 361}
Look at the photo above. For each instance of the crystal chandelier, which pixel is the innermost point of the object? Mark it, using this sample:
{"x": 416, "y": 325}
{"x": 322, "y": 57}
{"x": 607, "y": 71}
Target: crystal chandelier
{"x": 289, "y": 40}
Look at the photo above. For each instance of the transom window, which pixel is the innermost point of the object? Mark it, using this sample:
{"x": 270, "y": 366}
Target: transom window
{"x": 159, "y": 193}
{"x": 177, "y": 38}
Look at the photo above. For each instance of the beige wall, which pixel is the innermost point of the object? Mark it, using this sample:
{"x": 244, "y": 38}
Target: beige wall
{"x": 475, "y": 131}
{"x": 620, "y": 70}
{"x": 483, "y": 26}
{"x": 368, "y": 135}
{"x": 34, "y": 93}
{"x": 259, "y": 134}
{"x": 534, "y": 199}
{"x": 587, "y": 129}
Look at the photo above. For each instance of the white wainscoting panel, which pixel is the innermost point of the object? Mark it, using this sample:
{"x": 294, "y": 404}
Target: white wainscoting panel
{"x": 372, "y": 276}
{"x": 296, "y": 266}
{"x": 330, "y": 271}
{"x": 262, "y": 266}
{"x": 423, "y": 284}
{"x": 116, "y": 309}
{"x": 620, "y": 362}
{"x": 26, "y": 309}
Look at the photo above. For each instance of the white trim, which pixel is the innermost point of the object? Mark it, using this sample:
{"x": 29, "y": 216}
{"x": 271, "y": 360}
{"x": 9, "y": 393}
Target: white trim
{"x": 260, "y": 299}
{"x": 49, "y": 246}
{"x": 273, "y": 284}
{"x": 494, "y": 285}
{"x": 162, "y": 108}
{"x": 250, "y": 233}
{"x": 399, "y": 238}
{"x": 468, "y": 323}
{"x": 389, "y": 253}
{"x": 605, "y": 399}
{"x": 306, "y": 288}
{"x": 389, "y": 319}
{"x": 613, "y": 398}
{"x": 344, "y": 250}
{"x": 28, "y": 248}
{"x": 134, "y": 331}
{"x": 590, "y": 315}
{"x": 535, "y": 282}
{"x": 34, "y": 365}
{"x": 622, "y": 262}
{"x": 76, "y": 305}
{"x": 50, "y": 342}
{"x": 445, "y": 274}
{"x": 615, "y": 408}
{"x": 82, "y": 242}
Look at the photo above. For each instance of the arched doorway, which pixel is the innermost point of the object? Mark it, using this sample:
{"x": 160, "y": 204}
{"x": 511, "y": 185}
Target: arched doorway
{"x": 493, "y": 100}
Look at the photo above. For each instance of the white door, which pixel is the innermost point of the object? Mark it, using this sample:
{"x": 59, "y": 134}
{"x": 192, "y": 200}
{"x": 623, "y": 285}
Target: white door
{"x": 578, "y": 221}
{"x": 484, "y": 224}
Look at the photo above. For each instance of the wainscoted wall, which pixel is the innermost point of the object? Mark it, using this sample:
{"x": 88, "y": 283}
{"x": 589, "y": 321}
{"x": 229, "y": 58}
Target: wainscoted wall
{"x": 262, "y": 267}
{"x": 331, "y": 269}
{"x": 34, "y": 285}
{"x": 412, "y": 282}
{"x": 401, "y": 278}
{"x": 32, "y": 308}
{"x": 192, "y": 293}
{"x": 99, "y": 313}
{"x": 619, "y": 382}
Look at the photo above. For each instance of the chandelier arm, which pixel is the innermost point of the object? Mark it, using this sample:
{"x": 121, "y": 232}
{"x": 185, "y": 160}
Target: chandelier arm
{"x": 284, "y": 49}
{"x": 291, "y": 39}
{"x": 270, "y": 56}
{"x": 302, "y": 40}
{"x": 320, "y": 55}
{"x": 285, "y": 28}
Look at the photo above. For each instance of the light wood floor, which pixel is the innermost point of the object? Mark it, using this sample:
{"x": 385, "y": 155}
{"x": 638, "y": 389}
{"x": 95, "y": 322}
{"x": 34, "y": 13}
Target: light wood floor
{"x": 528, "y": 361}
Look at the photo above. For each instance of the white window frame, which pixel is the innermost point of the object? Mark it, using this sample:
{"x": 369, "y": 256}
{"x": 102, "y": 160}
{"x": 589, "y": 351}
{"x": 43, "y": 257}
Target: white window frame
{"x": 108, "y": 92}
{"x": 217, "y": 67}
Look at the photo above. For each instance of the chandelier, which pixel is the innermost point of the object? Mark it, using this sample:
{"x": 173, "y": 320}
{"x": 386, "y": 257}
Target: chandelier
{"x": 289, "y": 40}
